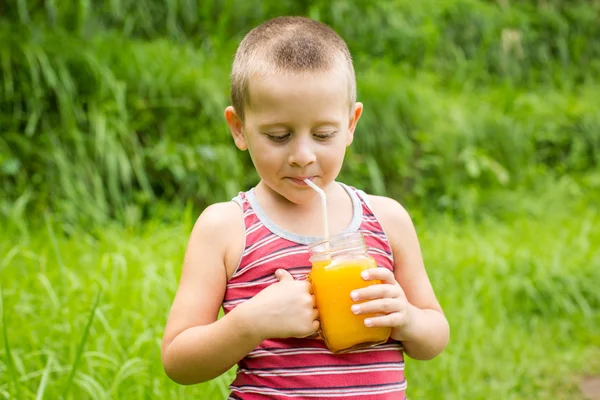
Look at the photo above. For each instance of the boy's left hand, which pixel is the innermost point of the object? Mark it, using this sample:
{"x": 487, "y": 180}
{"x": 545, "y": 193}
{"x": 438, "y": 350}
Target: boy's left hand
{"x": 386, "y": 300}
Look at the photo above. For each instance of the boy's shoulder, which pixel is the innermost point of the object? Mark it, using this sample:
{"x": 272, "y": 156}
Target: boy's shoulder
{"x": 220, "y": 230}
{"x": 387, "y": 208}
{"x": 221, "y": 212}
{"x": 392, "y": 215}
{"x": 397, "y": 224}
{"x": 219, "y": 218}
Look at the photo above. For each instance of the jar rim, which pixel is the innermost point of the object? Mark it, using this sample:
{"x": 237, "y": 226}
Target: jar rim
{"x": 356, "y": 235}
{"x": 345, "y": 241}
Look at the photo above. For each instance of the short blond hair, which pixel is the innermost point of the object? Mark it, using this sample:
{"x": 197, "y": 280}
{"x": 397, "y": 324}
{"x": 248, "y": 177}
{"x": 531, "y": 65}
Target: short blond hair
{"x": 288, "y": 45}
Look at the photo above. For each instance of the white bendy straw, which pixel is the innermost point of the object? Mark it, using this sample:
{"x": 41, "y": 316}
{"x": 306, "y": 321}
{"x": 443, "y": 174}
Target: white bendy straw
{"x": 324, "y": 206}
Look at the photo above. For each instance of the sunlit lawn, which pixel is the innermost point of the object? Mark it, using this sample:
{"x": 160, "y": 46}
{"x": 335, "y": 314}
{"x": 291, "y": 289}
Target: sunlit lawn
{"x": 521, "y": 293}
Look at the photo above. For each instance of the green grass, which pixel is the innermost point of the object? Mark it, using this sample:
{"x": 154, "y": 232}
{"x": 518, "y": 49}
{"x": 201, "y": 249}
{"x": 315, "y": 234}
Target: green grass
{"x": 82, "y": 316}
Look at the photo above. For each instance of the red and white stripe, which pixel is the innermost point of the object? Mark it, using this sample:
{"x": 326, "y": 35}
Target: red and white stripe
{"x": 304, "y": 368}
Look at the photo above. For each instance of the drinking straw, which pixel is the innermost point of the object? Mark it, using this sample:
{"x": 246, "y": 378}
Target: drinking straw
{"x": 324, "y": 206}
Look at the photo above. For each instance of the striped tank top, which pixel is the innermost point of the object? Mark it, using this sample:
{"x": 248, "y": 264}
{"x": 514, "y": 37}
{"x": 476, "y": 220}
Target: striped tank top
{"x": 304, "y": 368}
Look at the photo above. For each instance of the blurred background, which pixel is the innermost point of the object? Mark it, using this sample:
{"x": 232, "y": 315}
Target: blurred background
{"x": 481, "y": 117}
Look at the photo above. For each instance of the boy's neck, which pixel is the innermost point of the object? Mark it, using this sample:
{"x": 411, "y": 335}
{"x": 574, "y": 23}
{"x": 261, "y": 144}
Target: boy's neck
{"x": 306, "y": 219}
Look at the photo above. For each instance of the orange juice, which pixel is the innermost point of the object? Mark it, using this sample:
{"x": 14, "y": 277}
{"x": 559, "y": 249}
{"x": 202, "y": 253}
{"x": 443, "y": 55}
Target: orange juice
{"x": 332, "y": 281}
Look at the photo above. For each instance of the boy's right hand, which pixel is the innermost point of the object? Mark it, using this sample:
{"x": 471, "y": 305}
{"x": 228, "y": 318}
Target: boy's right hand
{"x": 284, "y": 309}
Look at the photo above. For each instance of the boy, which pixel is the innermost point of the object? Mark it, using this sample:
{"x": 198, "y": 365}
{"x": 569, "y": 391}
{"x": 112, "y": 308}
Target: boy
{"x": 294, "y": 109}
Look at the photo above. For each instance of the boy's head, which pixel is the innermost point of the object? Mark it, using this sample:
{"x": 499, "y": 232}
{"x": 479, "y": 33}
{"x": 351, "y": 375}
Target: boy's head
{"x": 289, "y": 46}
{"x": 294, "y": 104}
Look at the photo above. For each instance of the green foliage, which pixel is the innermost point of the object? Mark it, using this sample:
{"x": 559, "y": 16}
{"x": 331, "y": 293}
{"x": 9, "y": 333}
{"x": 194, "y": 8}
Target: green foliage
{"x": 111, "y": 121}
{"x": 109, "y": 108}
{"x": 471, "y": 35}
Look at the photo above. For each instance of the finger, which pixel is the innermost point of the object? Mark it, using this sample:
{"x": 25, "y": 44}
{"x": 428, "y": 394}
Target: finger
{"x": 314, "y": 331}
{"x": 308, "y": 286}
{"x": 315, "y": 325}
{"x": 389, "y": 321}
{"x": 309, "y": 289}
{"x": 377, "y": 292}
{"x": 282, "y": 274}
{"x": 314, "y": 335}
{"x": 379, "y": 306}
{"x": 379, "y": 273}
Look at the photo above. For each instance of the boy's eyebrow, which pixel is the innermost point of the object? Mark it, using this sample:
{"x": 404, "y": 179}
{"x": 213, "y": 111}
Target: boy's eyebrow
{"x": 286, "y": 125}
{"x": 273, "y": 125}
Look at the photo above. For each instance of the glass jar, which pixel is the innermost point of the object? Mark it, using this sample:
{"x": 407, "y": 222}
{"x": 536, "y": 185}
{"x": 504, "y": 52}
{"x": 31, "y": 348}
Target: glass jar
{"x": 336, "y": 267}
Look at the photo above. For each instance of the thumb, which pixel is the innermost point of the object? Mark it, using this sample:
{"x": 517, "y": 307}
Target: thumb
{"x": 283, "y": 275}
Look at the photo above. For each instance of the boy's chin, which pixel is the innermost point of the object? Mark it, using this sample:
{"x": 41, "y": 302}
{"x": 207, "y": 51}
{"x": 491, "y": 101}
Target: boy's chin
{"x": 299, "y": 199}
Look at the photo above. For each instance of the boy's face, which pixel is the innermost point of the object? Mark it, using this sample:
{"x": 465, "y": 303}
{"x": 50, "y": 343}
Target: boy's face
{"x": 296, "y": 127}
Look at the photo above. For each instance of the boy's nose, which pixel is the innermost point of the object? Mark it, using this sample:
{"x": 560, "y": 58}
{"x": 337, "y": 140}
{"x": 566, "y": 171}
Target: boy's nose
{"x": 301, "y": 154}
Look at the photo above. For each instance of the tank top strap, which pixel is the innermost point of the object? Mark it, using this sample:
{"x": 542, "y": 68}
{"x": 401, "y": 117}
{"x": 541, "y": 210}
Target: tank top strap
{"x": 373, "y": 230}
{"x": 362, "y": 197}
{"x": 241, "y": 200}
{"x": 248, "y": 214}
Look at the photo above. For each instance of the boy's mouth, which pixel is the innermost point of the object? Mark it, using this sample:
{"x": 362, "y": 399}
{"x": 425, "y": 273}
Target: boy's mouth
{"x": 299, "y": 180}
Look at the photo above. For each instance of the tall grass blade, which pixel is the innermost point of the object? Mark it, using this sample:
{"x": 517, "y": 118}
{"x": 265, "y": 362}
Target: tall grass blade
{"x": 54, "y": 242}
{"x": 23, "y": 12}
{"x": 81, "y": 345}
{"x": 12, "y": 371}
{"x": 44, "y": 382}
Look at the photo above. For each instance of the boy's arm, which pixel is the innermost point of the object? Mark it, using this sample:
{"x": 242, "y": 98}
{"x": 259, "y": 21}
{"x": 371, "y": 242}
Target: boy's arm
{"x": 428, "y": 333}
{"x": 196, "y": 346}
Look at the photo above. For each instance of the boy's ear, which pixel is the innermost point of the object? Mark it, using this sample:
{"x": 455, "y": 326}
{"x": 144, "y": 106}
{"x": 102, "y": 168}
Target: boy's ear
{"x": 235, "y": 126}
{"x": 354, "y": 117}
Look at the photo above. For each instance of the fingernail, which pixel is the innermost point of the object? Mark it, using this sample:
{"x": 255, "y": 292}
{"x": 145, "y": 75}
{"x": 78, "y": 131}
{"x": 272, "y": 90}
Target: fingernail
{"x": 354, "y": 295}
{"x": 355, "y": 309}
{"x": 368, "y": 322}
{"x": 364, "y": 274}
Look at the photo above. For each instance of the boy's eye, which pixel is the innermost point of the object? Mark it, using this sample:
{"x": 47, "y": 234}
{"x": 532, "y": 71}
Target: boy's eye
{"x": 279, "y": 138}
{"x": 323, "y": 136}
